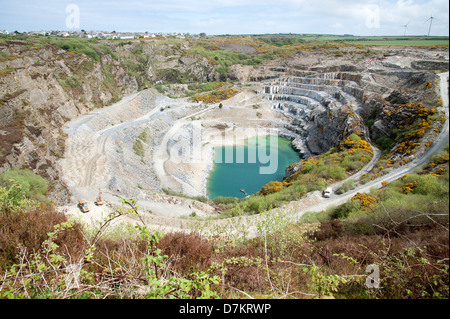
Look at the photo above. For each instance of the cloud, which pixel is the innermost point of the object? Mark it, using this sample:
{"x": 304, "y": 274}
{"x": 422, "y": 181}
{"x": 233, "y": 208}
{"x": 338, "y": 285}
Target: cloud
{"x": 361, "y": 17}
{"x": 337, "y": 25}
{"x": 207, "y": 23}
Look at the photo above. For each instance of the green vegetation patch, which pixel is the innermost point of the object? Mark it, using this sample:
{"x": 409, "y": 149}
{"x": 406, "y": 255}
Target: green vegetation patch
{"x": 138, "y": 148}
{"x": 23, "y": 184}
{"x": 401, "y": 204}
{"x": 90, "y": 48}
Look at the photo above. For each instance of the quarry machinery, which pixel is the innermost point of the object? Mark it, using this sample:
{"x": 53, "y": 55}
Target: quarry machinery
{"x": 83, "y": 205}
{"x": 99, "y": 201}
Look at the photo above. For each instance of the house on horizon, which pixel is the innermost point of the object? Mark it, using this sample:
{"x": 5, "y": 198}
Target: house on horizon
{"x": 109, "y": 36}
{"x": 63, "y": 34}
{"x": 126, "y": 36}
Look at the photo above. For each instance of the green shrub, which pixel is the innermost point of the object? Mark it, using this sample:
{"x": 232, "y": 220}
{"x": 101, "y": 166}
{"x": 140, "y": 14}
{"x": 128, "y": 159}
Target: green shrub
{"x": 72, "y": 82}
{"x": 308, "y": 167}
{"x": 160, "y": 88}
{"x": 90, "y": 48}
{"x": 313, "y": 217}
{"x": 350, "y": 163}
{"x": 225, "y": 200}
{"x": 224, "y": 58}
{"x": 391, "y": 192}
{"x": 296, "y": 190}
{"x": 202, "y": 199}
{"x": 347, "y": 186}
{"x": 138, "y": 147}
{"x": 355, "y": 137}
{"x": 428, "y": 184}
{"x": 331, "y": 171}
{"x": 205, "y": 87}
{"x": 144, "y": 135}
{"x": 362, "y": 226}
{"x": 384, "y": 142}
{"x": 344, "y": 210}
{"x": 396, "y": 210}
{"x": 27, "y": 183}
{"x": 256, "y": 205}
{"x": 312, "y": 182}
{"x": 404, "y": 213}
{"x": 319, "y": 184}
{"x": 132, "y": 67}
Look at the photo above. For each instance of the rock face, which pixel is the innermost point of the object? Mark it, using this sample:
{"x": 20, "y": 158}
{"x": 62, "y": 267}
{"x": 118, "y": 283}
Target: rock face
{"x": 430, "y": 65}
{"x": 240, "y": 72}
{"x": 326, "y": 103}
{"x": 322, "y": 109}
{"x": 44, "y": 89}
{"x": 41, "y": 89}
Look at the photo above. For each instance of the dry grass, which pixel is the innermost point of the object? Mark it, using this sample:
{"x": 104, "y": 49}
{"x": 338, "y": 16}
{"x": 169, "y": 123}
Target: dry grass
{"x": 277, "y": 266}
{"x": 19, "y": 231}
{"x": 301, "y": 261}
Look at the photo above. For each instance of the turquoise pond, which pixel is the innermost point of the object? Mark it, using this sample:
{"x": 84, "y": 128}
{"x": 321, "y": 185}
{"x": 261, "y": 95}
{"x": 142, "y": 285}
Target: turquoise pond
{"x": 250, "y": 166}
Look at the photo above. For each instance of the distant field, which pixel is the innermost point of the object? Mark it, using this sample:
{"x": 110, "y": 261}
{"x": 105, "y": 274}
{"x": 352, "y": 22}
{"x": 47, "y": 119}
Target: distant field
{"x": 411, "y": 42}
{"x": 277, "y": 40}
{"x": 383, "y": 41}
{"x": 282, "y": 39}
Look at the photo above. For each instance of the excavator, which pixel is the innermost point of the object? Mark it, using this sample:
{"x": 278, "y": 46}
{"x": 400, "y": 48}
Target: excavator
{"x": 99, "y": 201}
{"x": 84, "y": 206}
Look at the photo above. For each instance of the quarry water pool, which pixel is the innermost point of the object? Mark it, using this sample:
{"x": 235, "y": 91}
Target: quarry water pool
{"x": 250, "y": 166}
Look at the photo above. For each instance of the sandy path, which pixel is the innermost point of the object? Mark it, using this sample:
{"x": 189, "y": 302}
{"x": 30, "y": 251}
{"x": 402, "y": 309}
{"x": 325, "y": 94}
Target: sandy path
{"x": 91, "y": 164}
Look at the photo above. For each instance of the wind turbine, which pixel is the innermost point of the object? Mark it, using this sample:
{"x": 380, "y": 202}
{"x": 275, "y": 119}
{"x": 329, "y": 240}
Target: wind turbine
{"x": 406, "y": 28}
{"x": 431, "y": 22}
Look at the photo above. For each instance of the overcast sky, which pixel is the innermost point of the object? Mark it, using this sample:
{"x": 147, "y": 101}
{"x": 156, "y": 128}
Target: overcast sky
{"x": 363, "y": 17}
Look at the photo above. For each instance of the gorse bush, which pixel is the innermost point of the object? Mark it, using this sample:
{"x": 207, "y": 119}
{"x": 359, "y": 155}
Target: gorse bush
{"x": 413, "y": 120}
{"x": 215, "y": 96}
{"x": 272, "y": 187}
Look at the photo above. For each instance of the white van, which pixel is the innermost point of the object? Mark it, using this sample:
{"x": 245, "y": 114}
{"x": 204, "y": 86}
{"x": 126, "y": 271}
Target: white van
{"x": 327, "y": 193}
